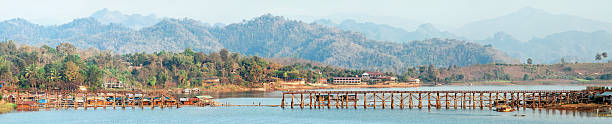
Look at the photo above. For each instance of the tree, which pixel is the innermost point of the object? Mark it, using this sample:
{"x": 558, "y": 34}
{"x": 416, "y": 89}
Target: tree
{"x": 5, "y": 73}
{"x": 152, "y": 81}
{"x": 65, "y": 49}
{"x": 29, "y": 74}
{"x": 224, "y": 54}
{"x": 94, "y": 76}
{"x": 598, "y": 57}
{"x": 562, "y": 60}
{"x": 604, "y": 54}
{"x": 72, "y": 75}
{"x": 529, "y": 61}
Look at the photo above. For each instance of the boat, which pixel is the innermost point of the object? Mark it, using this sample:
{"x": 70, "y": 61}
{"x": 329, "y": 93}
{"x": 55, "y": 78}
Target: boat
{"x": 504, "y": 108}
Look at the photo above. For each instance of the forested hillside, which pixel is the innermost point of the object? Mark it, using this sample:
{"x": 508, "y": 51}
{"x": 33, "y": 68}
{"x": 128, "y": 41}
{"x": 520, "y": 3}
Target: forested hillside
{"x": 266, "y": 36}
{"x": 66, "y": 67}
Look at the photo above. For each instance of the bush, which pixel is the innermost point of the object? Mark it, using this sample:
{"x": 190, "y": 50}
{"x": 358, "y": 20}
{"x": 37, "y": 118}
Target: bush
{"x": 605, "y": 77}
{"x": 589, "y": 78}
{"x": 567, "y": 69}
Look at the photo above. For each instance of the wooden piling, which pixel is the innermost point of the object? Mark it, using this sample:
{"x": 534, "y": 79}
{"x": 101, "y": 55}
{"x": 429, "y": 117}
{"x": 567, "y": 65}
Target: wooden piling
{"x": 401, "y": 101}
{"x": 383, "y": 101}
{"x": 374, "y": 98}
{"x": 310, "y": 100}
{"x": 346, "y": 100}
{"x": 328, "y": 99}
{"x": 292, "y": 97}
{"x": 365, "y": 101}
{"x": 420, "y": 102}
{"x": 392, "y": 103}
{"x": 283, "y": 101}
{"x": 410, "y": 100}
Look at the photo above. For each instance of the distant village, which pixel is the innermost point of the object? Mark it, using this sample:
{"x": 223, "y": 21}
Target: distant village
{"x": 367, "y": 78}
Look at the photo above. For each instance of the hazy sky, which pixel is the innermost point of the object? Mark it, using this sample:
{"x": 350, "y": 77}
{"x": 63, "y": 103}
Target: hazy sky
{"x": 445, "y": 12}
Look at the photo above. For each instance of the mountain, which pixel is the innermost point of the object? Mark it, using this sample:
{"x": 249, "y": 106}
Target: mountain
{"x": 267, "y": 36}
{"x": 527, "y": 23}
{"x": 134, "y": 21}
{"x": 573, "y": 46}
{"x": 385, "y": 32}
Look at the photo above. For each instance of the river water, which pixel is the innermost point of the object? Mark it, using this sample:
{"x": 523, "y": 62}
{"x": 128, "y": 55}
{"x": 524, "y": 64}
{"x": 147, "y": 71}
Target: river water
{"x": 188, "y": 115}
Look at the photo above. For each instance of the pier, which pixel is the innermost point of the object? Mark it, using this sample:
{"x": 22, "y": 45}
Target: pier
{"x": 433, "y": 99}
{"x": 66, "y": 99}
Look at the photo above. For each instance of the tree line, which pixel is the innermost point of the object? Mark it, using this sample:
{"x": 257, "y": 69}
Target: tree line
{"x": 66, "y": 67}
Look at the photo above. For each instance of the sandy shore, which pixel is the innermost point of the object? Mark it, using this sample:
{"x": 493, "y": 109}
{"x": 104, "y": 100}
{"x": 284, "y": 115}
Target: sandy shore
{"x": 579, "y": 106}
{"x": 6, "y": 107}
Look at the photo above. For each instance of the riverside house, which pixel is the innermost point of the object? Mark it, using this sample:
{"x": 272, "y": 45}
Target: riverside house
{"x": 347, "y": 80}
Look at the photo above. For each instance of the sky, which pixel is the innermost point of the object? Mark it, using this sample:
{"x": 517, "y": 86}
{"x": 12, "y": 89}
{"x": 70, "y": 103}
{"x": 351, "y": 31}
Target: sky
{"x": 442, "y": 12}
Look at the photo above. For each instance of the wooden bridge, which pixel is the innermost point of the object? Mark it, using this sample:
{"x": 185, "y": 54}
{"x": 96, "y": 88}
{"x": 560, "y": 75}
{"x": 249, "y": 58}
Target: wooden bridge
{"x": 433, "y": 99}
{"x": 64, "y": 99}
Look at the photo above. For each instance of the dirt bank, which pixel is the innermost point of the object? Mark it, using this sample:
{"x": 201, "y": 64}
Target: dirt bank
{"x": 580, "y": 106}
{"x": 6, "y": 107}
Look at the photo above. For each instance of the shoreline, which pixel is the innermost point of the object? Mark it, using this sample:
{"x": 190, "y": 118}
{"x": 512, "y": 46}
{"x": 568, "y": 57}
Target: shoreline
{"x": 6, "y": 107}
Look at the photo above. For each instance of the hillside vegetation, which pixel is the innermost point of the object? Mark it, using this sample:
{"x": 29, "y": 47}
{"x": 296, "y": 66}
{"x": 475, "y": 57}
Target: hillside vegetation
{"x": 66, "y": 67}
{"x": 568, "y": 72}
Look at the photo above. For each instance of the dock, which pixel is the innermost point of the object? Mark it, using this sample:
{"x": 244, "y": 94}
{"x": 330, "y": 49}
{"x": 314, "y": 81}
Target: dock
{"x": 433, "y": 99}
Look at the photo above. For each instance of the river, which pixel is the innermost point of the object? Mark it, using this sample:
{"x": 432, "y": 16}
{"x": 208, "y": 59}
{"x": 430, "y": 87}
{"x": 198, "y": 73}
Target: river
{"x": 188, "y": 115}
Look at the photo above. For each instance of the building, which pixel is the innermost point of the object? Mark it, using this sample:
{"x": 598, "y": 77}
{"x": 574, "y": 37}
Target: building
{"x": 211, "y": 80}
{"x": 347, "y": 80}
{"x": 607, "y": 97}
{"x": 294, "y": 81}
{"x": 321, "y": 81}
{"x": 373, "y": 75}
{"x": 112, "y": 83}
{"x": 414, "y": 81}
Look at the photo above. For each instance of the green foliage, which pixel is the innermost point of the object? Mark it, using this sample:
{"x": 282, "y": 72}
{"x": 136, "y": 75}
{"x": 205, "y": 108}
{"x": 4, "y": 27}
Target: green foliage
{"x": 526, "y": 77}
{"x": 529, "y": 61}
{"x": 606, "y": 77}
{"x": 152, "y": 81}
{"x": 185, "y": 69}
{"x": 589, "y": 78}
{"x": 94, "y": 77}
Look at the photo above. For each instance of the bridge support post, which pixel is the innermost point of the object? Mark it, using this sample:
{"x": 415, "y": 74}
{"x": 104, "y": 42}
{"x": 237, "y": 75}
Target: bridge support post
{"x": 292, "y": 97}
{"x": 420, "y": 102}
{"x": 283, "y": 101}
{"x": 410, "y": 100}
{"x": 355, "y": 101}
{"x": 310, "y": 100}
{"x": 365, "y": 101}
{"x": 401, "y": 101}
{"x": 392, "y": 101}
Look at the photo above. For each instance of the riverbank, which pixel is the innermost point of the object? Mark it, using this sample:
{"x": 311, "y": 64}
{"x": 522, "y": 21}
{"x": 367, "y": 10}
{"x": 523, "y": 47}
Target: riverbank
{"x": 534, "y": 82}
{"x": 269, "y": 88}
{"x": 581, "y": 106}
{"x": 6, "y": 107}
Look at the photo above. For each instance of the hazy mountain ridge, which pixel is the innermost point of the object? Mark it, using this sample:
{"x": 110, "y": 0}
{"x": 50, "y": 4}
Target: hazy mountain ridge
{"x": 134, "y": 21}
{"x": 573, "y": 46}
{"x": 390, "y": 33}
{"x": 268, "y": 36}
{"x": 527, "y": 23}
